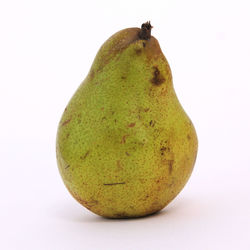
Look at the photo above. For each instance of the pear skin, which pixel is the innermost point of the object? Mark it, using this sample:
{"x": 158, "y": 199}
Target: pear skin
{"x": 125, "y": 146}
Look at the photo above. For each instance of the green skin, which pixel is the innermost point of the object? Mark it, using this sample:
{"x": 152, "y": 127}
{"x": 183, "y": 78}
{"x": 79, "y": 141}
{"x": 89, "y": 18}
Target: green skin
{"x": 125, "y": 146}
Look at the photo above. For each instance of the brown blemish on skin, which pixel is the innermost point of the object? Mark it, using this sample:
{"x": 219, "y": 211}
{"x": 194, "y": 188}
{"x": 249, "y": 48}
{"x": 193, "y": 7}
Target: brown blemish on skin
{"x": 84, "y": 156}
{"x": 144, "y": 45}
{"x": 164, "y": 91}
{"x": 119, "y": 165}
{"x": 146, "y": 110}
{"x": 157, "y": 79}
{"x": 127, "y": 153}
{"x": 67, "y": 166}
{"x": 131, "y": 125}
{"x": 138, "y": 51}
{"x": 111, "y": 184}
{"x": 170, "y": 165}
{"x": 87, "y": 204}
{"x": 66, "y": 122}
{"x": 123, "y": 77}
{"x": 124, "y": 139}
{"x": 188, "y": 137}
{"x": 104, "y": 118}
{"x": 91, "y": 75}
{"x": 67, "y": 136}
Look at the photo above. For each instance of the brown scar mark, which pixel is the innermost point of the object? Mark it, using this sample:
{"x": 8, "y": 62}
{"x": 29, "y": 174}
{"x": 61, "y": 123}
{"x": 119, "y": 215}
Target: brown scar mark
{"x": 146, "y": 110}
{"x": 170, "y": 165}
{"x": 116, "y": 183}
{"x": 188, "y": 137}
{"x": 84, "y": 156}
{"x": 138, "y": 51}
{"x": 124, "y": 139}
{"x": 67, "y": 166}
{"x": 102, "y": 108}
{"x": 152, "y": 123}
{"x": 67, "y": 136}
{"x": 123, "y": 77}
{"x": 127, "y": 153}
{"x": 104, "y": 118}
{"x": 112, "y": 112}
{"x": 115, "y": 120}
{"x": 66, "y": 122}
{"x": 119, "y": 165}
{"x": 131, "y": 125}
{"x": 157, "y": 78}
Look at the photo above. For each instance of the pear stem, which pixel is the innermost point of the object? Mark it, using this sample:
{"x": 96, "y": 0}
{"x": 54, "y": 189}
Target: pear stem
{"x": 145, "y": 32}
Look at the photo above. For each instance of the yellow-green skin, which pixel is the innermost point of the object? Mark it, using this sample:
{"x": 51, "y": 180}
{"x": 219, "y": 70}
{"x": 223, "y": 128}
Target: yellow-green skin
{"x": 125, "y": 146}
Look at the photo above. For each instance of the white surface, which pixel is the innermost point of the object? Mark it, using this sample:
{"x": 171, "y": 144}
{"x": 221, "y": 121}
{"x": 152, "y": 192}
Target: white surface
{"x": 46, "y": 50}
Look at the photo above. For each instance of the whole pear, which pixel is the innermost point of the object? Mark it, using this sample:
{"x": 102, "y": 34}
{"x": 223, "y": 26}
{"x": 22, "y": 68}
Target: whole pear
{"x": 125, "y": 146}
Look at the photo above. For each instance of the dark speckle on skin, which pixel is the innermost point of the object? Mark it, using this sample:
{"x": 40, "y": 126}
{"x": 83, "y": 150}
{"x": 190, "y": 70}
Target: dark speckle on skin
{"x": 144, "y": 45}
{"x": 152, "y": 123}
{"x": 85, "y": 155}
{"x": 66, "y": 122}
{"x": 123, "y": 77}
{"x": 163, "y": 149}
{"x": 188, "y": 137}
{"x": 67, "y": 166}
{"x": 157, "y": 79}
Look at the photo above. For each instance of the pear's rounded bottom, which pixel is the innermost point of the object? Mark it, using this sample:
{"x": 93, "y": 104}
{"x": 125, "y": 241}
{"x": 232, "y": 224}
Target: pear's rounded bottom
{"x": 136, "y": 216}
{"x": 127, "y": 215}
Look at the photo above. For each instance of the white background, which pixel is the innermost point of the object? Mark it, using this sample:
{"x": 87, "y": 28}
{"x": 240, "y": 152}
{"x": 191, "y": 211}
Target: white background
{"x": 46, "y": 50}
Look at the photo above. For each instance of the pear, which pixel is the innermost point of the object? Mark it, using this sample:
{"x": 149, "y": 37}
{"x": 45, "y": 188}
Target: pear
{"x": 125, "y": 146}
